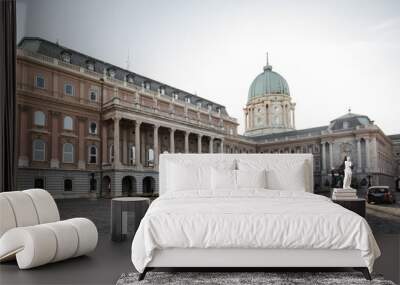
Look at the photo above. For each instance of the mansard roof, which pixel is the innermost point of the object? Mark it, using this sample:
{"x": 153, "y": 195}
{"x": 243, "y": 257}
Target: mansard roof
{"x": 292, "y": 134}
{"x": 54, "y": 50}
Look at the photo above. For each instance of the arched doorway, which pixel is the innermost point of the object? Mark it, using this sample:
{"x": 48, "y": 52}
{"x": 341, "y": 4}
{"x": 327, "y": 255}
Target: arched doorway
{"x": 128, "y": 185}
{"x": 149, "y": 185}
{"x": 106, "y": 191}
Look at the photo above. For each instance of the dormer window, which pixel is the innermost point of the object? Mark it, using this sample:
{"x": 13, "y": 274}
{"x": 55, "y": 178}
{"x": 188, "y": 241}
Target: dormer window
{"x": 66, "y": 57}
{"x": 161, "y": 90}
{"x": 199, "y": 104}
{"x": 209, "y": 107}
{"x": 111, "y": 73}
{"x": 147, "y": 85}
{"x": 219, "y": 110}
{"x": 345, "y": 125}
{"x": 175, "y": 95}
{"x": 187, "y": 100}
{"x": 130, "y": 78}
{"x": 90, "y": 65}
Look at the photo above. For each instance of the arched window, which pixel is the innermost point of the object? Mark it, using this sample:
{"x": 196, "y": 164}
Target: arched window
{"x": 39, "y": 118}
{"x": 93, "y": 128}
{"x": 93, "y": 154}
{"x": 68, "y": 123}
{"x": 68, "y": 153}
{"x": 111, "y": 153}
{"x": 39, "y": 150}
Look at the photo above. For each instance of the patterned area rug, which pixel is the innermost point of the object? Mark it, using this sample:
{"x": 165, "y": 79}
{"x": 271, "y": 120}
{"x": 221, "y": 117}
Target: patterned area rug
{"x": 228, "y": 278}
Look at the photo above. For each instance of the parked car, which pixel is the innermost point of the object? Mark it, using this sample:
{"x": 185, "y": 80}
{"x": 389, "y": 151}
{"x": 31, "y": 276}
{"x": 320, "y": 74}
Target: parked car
{"x": 380, "y": 194}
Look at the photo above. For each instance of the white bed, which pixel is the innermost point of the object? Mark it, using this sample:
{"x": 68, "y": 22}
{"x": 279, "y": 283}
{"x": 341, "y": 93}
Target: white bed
{"x": 213, "y": 212}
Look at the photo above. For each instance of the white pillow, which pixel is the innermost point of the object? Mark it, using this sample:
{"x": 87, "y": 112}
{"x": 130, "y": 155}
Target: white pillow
{"x": 251, "y": 178}
{"x": 188, "y": 177}
{"x": 223, "y": 179}
{"x": 278, "y": 180}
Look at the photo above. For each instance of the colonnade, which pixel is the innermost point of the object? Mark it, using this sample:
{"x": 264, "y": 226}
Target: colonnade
{"x": 155, "y": 146}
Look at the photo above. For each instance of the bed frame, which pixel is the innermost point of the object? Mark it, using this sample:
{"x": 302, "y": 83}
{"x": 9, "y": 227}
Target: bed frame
{"x": 242, "y": 259}
{"x": 245, "y": 259}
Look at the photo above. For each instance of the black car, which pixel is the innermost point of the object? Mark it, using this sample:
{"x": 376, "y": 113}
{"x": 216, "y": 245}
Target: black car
{"x": 380, "y": 194}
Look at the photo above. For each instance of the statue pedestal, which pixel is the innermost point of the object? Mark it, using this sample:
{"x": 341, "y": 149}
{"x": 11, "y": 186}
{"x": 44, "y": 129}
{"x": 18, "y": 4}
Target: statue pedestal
{"x": 344, "y": 194}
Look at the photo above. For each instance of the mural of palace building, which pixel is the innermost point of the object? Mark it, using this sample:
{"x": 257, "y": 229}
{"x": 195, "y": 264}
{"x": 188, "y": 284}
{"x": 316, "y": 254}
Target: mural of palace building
{"x": 90, "y": 128}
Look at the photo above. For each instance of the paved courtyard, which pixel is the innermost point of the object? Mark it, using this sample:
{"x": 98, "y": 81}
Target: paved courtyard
{"x": 111, "y": 259}
{"x": 98, "y": 210}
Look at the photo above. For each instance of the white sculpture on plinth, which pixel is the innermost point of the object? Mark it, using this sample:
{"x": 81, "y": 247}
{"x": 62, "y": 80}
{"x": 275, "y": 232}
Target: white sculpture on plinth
{"x": 347, "y": 173}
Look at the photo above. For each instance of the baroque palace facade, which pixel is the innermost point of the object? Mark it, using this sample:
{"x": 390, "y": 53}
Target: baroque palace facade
{"x": 89, "y": 128}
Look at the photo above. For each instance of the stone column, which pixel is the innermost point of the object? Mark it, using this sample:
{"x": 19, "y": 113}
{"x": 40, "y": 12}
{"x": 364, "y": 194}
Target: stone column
{"x": 54, "y": 162}
{"x": 55, "y": 84}
{"x": 221, "y": 150}
{"x": 137, "y": 144}
{"x": 125, "y": 146}
{"x": 323, "y": 156}
{"x": 249, "y": 121}
{"x": 23, "y": 159}
{"x": 284, "y": 116}
{"x": 374, "y": 155}
{"x": 367, "y": 154}
{"x": 104, "y": 136}
{"x": 187, "y": 141}
{"x": 211, "y": 145}
{"x": 330, "y": 155}
{"x": 82, "y": 92}
{"x": 245, "y": 120}
{"x": 155, "y": 144}
{"x": 293, "y": 120}
{"x": 253, "y": 123}
{"x": 359, "y": 161}
{"x": 117, "y": 161}
{"x": 199, "y": 138}
{"x": 81, "y": 142}
{"x": 172, "y": 140}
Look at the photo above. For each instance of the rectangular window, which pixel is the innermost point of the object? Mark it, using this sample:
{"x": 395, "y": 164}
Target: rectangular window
{"x": 69, "y": 89}
{"x": 39, "y": 183}
{"x": 39, "y": 82}
{"x": 93, "y": 95}
{"x": 68, "y": 185}
{"x": 39, "y": 148}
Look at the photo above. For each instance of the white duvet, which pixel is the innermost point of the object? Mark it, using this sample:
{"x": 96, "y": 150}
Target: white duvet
{"x": 250, "y": 219}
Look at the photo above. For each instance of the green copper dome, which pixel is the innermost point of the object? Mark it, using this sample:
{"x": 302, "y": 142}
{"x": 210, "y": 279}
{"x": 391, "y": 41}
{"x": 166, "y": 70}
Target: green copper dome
{"x": 268, "y": 82}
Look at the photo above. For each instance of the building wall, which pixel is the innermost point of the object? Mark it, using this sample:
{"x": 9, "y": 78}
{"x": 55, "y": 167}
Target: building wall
{"x": 175, "y": 125}
{"x": 124, "y": 104}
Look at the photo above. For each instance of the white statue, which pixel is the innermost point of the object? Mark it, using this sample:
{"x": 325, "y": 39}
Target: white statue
{"x": 347, "y": 173}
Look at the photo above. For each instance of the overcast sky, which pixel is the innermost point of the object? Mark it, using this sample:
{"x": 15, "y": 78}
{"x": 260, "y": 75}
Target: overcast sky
{"x": 334, "y": 54}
